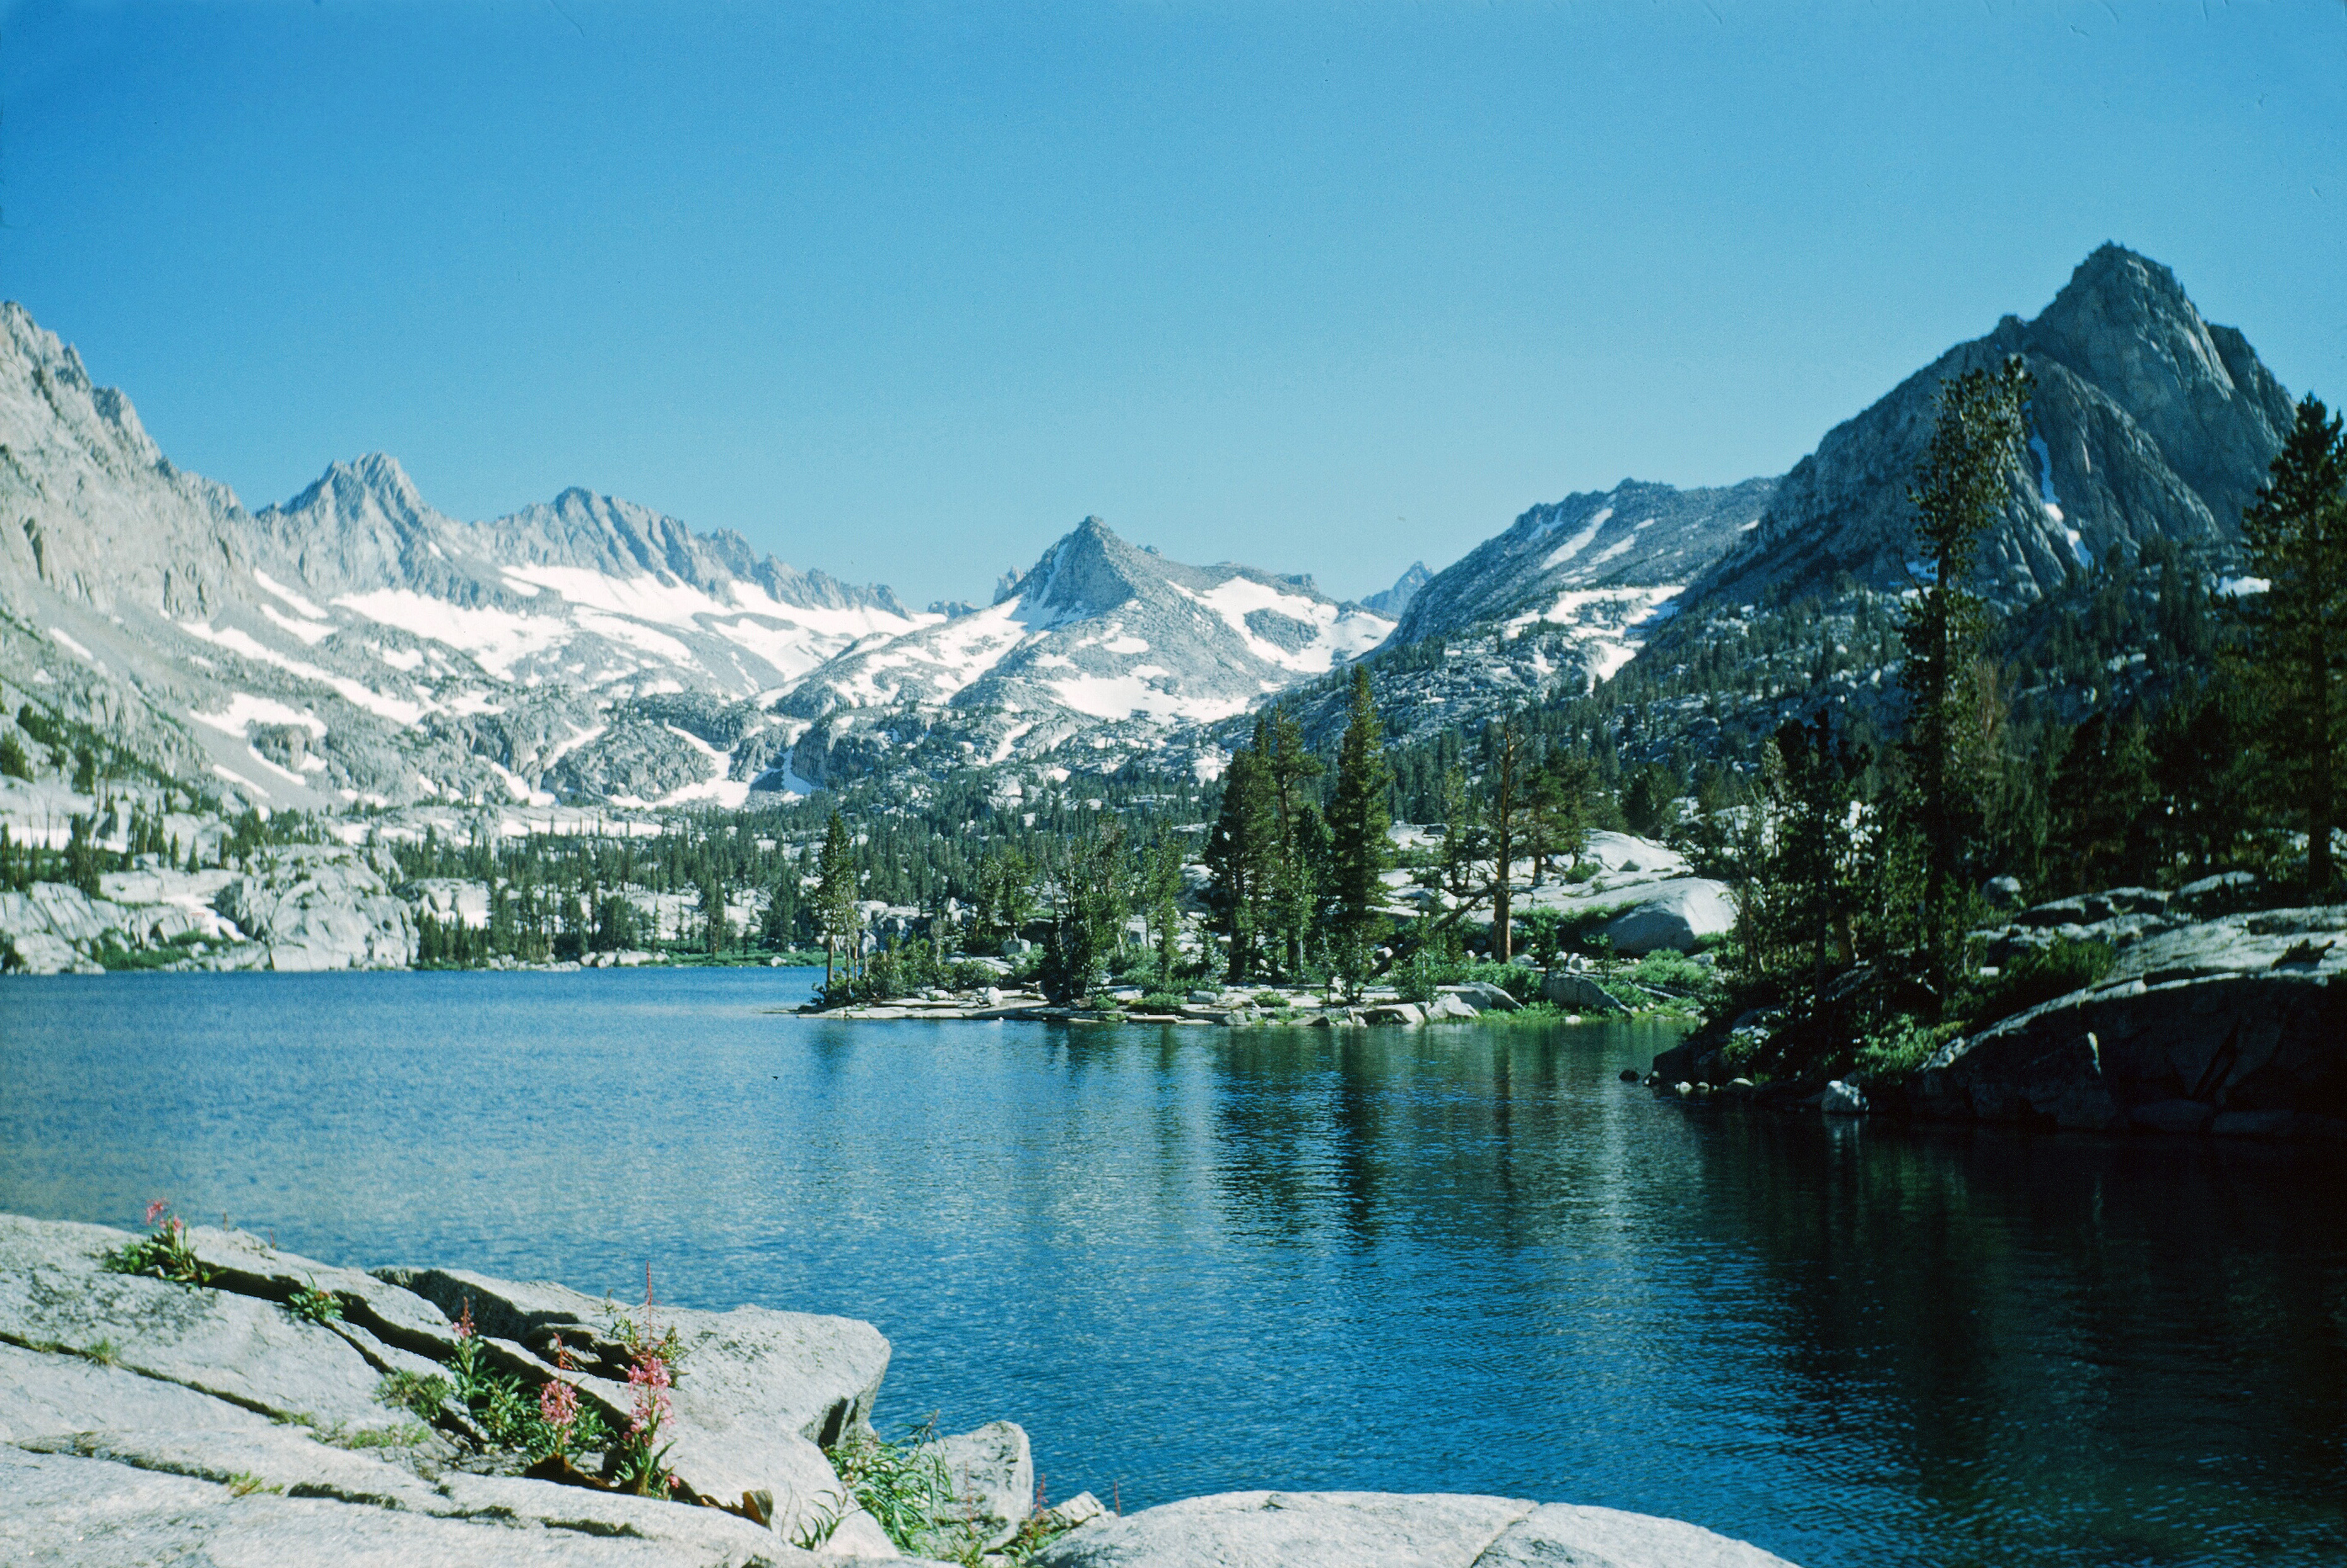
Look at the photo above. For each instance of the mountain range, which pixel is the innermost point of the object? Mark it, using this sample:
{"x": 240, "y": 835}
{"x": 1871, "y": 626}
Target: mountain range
{"x": 356, "y": 646}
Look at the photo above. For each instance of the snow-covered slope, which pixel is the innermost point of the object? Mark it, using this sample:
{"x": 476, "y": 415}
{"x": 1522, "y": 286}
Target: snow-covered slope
{"x": 357, "y": 644}
{"x": 1596, "y": 565}
{"x": 1098, "y": 637}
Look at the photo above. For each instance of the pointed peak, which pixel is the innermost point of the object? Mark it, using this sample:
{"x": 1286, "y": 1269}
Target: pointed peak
{"x": 375, "y": 477}
{"x": 2114, "y": 273}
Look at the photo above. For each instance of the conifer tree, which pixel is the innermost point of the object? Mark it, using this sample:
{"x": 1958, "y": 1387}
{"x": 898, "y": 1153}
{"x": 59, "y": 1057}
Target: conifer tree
{"x": 1242, "y": 855}
{"x": 1959, "y": 489}
{"x": 1289, "y": 766}
{"x": 2295, "y": 537}
{"x": 1358, "y": 824}
{"x": 834, "y": 897}
{"x": 2100, "y": 804}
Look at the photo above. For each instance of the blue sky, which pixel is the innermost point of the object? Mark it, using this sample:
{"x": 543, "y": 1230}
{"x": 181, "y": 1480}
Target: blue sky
{"x": 904, "y": 291}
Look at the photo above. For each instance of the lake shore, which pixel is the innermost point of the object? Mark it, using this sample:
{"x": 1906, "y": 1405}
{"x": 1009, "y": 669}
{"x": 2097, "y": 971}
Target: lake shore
{"x": 198, "y": 1388}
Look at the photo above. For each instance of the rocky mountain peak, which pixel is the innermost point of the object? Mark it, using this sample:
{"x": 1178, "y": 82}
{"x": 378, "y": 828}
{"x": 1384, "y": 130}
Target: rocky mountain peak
{"x": 1390, "y": 602}
{"x": 368, "y": 488}
{"x": 2144, "y": 419}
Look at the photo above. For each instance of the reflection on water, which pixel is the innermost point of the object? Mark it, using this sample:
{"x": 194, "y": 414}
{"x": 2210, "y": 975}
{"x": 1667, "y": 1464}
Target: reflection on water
{"x": 1191, "y": 1260}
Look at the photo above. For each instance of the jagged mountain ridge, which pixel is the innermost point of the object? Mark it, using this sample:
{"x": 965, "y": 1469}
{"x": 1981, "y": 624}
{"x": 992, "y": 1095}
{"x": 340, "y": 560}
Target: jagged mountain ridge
{"x": 1098, "y": 637}
{"x": 355, "y": 643}
{"x": 2145, "y": 419}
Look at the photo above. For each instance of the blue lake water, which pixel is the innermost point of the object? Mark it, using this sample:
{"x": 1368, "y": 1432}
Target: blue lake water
{"x": 1192, "y": 1260}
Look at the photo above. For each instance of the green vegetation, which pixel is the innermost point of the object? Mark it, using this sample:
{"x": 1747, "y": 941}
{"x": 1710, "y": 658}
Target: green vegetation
{"x": 311, "y": 1305}
{"x": 905, "y": 1487}
{"x": 164, "y": 1253}
{"x": 419, "y": 1395}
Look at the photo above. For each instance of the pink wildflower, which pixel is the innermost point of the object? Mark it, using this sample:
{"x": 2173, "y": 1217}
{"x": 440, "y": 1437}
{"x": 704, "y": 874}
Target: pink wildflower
{"x": 464, "y": 1329}
{"x": 649, "y": 1378}
{"x": 155, "y": 1209}
{"x": 559, "y": 1403}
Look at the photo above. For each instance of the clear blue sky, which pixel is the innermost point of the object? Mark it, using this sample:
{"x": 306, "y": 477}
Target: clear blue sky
{"x": 903, "y": 293}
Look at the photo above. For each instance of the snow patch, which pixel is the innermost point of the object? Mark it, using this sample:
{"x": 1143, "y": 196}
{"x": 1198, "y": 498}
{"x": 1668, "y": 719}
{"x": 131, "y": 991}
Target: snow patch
{"x": 301, "y": 606}
{"x": 1578, "y": 542}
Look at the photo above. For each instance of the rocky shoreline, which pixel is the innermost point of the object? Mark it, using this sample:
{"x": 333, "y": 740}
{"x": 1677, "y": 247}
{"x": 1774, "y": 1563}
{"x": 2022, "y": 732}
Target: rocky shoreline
{"x": 270, "y": 1409}
{"x": 2233, "y": 1026}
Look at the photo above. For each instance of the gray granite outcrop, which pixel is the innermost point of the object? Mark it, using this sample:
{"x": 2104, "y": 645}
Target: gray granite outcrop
{"x": 2233, "y": 1026}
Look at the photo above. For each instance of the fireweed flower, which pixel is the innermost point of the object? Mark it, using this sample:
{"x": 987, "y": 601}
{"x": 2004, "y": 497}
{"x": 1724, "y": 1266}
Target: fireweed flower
{"x": 155, "y": 1208}
{"x": 464, "y": 1329}
{"x": 559, "y": 1403}
{"x": 650, "y": 1379}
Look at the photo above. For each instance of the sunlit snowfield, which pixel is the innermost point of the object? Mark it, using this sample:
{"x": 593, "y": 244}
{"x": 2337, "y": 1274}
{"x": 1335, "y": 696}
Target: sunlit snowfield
{"x": 1190, "y": 1260}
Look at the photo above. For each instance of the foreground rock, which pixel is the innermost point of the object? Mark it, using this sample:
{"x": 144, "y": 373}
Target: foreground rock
{"x": 143, "y": 1419}
{"x": 757, "y": 1392}
{"x": 1391, "y": 1530}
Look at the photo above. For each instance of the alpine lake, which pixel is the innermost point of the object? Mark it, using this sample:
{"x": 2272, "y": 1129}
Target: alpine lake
{"x": 1462, "y": 1257}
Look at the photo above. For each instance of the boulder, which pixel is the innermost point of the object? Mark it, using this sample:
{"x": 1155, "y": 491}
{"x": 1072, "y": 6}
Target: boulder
{"x": 992, "y": 1473}
{"x": 2002, "y": 892}
{"x": 2226, "y": 892}
{"x": 1393, "y": 1013}
{"x": 319, "y": 906}
{"x": 245, "y": 1262}
{"x": 2172, "y": 1116}
{"x": 51, "y": 1395}
{"x": 1345, "y": 1529}
{"x": 1449, "y": 1005}
{"x": 1563, "y": 1535}
{"x": 73, "y": 1512}
{"x": 1677, "y": 915}
{"x": 1293, "y": 1529}
{"x": 1569, "y": 988}
{"x": 1843, "y": 1100}
{"x": 1485, "y": 998}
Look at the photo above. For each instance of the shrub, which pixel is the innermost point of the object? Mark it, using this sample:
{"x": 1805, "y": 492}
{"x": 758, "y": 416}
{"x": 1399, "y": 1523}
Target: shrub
{"x": 965, "y": 975}
{"x": 1897, "y": 1048}
{"x": 1668, "y": 970}
{"x": 1162, "y": 1001}
{"x": 417, "y": 1394}
{"x": 2040, "y": 977}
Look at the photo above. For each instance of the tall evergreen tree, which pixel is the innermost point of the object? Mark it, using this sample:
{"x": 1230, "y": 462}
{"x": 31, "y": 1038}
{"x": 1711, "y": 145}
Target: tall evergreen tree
{"x": 1959, "y": 489}
{"x": 2295, "y": 537}
{"x": 1357, "y": 825}
{"x": 834, "y": 897}
{"x": 1243, "y": 857}
{"x": 1279, "y": 741}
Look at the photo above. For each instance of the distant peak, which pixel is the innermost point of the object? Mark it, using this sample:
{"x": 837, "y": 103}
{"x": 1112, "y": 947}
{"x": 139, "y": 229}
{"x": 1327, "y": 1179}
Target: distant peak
{"x": 2114, "y": 269}
{"x": 375, "y": 476}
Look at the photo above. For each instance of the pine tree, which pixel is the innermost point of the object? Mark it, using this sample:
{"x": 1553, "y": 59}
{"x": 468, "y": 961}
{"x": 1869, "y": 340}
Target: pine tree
{"x": 1508, "y": 801}
{"x": 1162, "y": 889}
{"x": 1358, "y": 824}
{"x": 1242, "y": 857}
{"x": 2100, "y": 804}
{"x": 1959, "y": 486}
{"x": 2295, "y": 537}
{"x": 834, "y": 899}
{"x": 1289, "y": 766}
